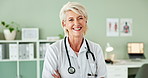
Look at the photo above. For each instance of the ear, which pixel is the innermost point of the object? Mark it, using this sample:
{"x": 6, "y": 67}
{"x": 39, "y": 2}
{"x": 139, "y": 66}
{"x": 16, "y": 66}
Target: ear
{"x": 63, "y": 23}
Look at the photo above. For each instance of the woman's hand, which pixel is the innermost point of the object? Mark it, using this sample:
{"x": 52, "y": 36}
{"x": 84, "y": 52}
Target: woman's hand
{"x": 57, "y": 75}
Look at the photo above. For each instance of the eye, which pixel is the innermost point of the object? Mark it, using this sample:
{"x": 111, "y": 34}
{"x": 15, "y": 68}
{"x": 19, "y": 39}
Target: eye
{"x": 80, "y": 17}
{"x": 70, "y": 20}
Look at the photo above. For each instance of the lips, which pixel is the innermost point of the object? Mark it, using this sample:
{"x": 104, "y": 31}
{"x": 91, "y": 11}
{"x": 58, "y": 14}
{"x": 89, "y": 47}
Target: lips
{"x": 77, "y": 28}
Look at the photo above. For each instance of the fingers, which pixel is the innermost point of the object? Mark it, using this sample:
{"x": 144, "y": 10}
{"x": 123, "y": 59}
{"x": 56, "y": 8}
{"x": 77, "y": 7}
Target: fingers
{"x": 57, "y": 72}
{"x": 57, "y": 75}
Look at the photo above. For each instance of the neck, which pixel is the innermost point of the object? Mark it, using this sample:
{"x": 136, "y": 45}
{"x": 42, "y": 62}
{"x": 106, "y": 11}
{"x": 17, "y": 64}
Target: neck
{"x": 75, "y": 43}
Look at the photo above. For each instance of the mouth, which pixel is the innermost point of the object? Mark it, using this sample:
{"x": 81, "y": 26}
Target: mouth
{"x": 77, "y": 28}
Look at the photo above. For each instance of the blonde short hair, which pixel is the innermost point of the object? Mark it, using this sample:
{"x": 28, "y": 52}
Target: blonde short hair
{"x": 72, "y": 6}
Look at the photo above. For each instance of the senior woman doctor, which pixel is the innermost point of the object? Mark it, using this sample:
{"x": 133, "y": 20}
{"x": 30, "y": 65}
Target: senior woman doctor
{"x": 74, "y": 56}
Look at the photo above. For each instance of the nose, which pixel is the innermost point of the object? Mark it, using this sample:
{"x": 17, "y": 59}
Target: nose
{"x": 76, "y": 23}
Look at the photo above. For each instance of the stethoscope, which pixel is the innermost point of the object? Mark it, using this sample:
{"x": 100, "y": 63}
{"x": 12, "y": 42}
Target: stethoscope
{"x": 71, "y": 69}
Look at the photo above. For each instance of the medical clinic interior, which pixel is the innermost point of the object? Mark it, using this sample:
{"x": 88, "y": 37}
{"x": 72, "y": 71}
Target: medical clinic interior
{"x": 28, "y": 27}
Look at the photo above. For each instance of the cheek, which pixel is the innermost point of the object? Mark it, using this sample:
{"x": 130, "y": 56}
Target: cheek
{"x": 85, "y": 28}
{"x": 69, "y": 25}
{"x": 84, "y": 24}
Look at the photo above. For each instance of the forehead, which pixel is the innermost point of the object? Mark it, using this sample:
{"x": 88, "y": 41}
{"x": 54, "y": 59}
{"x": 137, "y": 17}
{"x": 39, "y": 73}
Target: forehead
{"x": 72, "y": 14}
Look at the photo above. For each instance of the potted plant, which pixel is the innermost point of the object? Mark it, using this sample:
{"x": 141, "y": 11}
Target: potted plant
{"x": 10, "y": 30}
{"x": 61, "y": 35}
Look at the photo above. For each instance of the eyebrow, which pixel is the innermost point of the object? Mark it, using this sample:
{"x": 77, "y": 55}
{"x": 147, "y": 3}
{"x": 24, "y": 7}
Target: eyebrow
{"x": 77, "y": 17}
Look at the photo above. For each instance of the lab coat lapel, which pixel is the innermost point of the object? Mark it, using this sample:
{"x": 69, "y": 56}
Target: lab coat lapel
{"x": 83, "y": 47}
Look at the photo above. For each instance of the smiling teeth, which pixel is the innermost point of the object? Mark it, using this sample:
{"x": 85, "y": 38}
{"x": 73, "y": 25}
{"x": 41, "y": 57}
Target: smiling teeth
{"x": 77, "y": 28}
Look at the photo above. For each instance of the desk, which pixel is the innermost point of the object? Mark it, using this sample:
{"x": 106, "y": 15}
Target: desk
{"x": 120, "y": 68}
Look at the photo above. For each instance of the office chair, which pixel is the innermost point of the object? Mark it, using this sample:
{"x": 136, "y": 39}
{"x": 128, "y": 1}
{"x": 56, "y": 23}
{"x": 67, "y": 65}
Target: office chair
{"x": 142, "y": 72}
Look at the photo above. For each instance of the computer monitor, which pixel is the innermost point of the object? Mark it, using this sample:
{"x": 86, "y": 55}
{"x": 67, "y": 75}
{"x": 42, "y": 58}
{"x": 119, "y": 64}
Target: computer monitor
{"x": 136, "y": 50}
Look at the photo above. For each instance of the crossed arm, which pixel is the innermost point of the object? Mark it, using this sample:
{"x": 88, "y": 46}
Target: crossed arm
{"x": 57, "y": 75}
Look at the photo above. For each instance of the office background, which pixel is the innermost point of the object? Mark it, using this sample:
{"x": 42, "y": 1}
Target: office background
{"x": 44, "y": 14}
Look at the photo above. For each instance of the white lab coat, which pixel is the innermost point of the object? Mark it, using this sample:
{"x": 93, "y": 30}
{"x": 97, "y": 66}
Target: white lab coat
{"x": 56, "y": 59}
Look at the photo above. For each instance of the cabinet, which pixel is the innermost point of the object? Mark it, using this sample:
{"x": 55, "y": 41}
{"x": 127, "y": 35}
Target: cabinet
{"x": 23, "y": 67}
{"x": 120, "y": 69}
{"x": 117, "y": 71}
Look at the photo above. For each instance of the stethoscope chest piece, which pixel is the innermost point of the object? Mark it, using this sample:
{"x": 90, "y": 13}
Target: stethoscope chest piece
{"x": 71, "y": 70}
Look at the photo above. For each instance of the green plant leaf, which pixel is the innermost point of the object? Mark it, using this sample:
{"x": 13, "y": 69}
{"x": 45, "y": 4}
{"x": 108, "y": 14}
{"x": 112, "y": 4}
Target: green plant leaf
{"x": 7, "y": 26}
{"x": 61, "y": 36}
{"x": 11, "y": 26}
{"x": 11, "y": 29}
{"x": 3, "y": 23}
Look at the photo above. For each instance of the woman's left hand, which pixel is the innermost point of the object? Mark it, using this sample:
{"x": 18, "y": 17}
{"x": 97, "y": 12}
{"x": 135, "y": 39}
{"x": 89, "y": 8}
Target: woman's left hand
{"x": 57, "y": 75}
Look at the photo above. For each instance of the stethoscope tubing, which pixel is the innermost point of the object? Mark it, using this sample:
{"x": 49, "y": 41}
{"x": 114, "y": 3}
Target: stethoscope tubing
{"x": 71, "y": 69}
{"x": 67, "y": 52}
{"x": 88, "y": 51}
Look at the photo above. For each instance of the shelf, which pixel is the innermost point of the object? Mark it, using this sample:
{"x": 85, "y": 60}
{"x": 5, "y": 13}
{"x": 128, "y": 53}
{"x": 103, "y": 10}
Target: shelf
{"x": 27, "y": 60}
{"x": 36, "y": 62}
{"x": 41, "y": 59}
{"x": 47, "y": 41}
{"x": 8, "y": 41}
{"x": 7, "y": 60}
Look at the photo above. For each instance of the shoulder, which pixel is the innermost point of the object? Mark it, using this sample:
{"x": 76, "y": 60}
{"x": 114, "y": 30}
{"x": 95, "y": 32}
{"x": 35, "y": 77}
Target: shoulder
{"x": 94, "y": 45}
{"x": 95, "y": 48}
{"x": 57, "y": 46}
{"x": 57, "y": 43}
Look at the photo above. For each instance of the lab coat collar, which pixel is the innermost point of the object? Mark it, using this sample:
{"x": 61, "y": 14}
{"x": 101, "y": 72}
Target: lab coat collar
{"x": 71, "y": 52}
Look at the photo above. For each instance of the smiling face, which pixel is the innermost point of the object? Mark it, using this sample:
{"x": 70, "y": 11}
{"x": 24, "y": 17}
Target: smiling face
{"x": 75, "y": 24}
